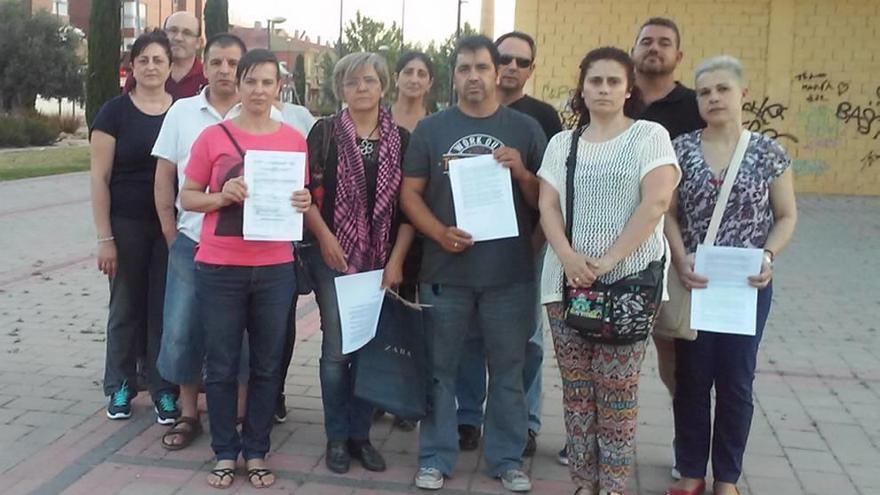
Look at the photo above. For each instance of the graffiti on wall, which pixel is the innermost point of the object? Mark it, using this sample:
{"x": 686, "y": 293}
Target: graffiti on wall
{"x": 863, "y": 116}
{"x": 870, "y": 159}
{"x": 767, "y": 118}
{"x": 560, "y": 98}
{"x": 819, "y": 87}
{"x": 802, "y": 167}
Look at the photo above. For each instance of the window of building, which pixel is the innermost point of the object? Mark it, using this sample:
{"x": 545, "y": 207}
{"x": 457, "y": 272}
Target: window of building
{"x": 128, "y": 18}
{"x": 59, "y": 7}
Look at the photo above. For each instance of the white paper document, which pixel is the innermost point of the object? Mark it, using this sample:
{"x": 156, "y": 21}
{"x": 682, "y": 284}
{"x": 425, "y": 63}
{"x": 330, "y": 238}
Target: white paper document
{"x": 482, "y": 193}
{"x": 359, "y": 298}
{"x": 271, "y": 178}
{"x": 729, "y": 304}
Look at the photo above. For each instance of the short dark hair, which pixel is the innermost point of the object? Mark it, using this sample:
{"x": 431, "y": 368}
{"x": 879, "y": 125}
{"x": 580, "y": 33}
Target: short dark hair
{"x": 253, "y": 58}
{"x": 156, "y": 36}
{"x": 198, "y": 24}
{"x": 521, "y": 36}
{"x": 223, "y": 40}
{"x": 409, "y": 57}
{"x": 633, "y": 106}
{"x": 665, "y": 22}
{"x": 473, "y": 44}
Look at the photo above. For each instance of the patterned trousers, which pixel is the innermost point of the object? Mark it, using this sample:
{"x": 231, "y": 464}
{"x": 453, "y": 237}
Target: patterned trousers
{"x": 600, "y": 385}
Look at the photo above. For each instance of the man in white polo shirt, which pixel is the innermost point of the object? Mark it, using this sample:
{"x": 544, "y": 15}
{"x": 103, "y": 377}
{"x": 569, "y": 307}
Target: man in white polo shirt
{"x": 182, "y": 350}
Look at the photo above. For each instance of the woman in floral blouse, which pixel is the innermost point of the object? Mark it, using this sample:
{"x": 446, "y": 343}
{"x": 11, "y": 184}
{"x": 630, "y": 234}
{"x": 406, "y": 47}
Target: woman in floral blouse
{"x": 760, "y": 213}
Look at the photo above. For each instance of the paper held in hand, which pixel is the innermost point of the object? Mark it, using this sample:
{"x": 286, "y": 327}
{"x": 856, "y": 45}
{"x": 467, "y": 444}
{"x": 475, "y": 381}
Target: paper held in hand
{"x": 482, "y": 193}
{"x": 729, "y": 304}
{"x": 271, "y": 178}
{"x": 359, "y": 298}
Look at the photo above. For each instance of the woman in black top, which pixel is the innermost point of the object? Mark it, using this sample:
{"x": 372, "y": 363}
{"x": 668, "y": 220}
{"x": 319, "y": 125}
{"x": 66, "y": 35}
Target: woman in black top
{"x": 131, "y": 249}
{"x": 355, "y": 175}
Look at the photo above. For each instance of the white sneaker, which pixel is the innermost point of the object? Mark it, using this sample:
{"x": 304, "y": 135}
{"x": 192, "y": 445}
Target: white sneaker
{"x": 675, "y": 474}
{"x": 429, "y": 478}
{"x": 516, "y": 481}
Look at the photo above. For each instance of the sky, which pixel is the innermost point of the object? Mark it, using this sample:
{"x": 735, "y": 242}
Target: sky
{"x": 424, "y": 20}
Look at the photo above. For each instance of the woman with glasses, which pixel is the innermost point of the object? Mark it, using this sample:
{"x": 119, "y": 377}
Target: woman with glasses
{"x": 355, "y": 165}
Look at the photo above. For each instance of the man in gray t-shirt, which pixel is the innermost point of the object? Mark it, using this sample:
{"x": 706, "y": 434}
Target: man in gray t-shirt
{"x": 490, "y": 281}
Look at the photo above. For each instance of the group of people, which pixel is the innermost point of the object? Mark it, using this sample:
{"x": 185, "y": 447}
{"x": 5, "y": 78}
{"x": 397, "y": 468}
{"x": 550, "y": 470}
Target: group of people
{"x": 644, "y": 166}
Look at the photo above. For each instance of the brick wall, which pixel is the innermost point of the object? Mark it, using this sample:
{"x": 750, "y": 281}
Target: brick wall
{"x": 813, "y": 69}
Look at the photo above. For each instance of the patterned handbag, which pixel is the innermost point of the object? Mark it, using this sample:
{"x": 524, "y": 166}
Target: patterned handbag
{"x": 618, "y": 313}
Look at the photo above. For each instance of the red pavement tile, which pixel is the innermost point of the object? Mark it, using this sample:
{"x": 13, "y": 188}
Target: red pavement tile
{"x": 322, "y": 489}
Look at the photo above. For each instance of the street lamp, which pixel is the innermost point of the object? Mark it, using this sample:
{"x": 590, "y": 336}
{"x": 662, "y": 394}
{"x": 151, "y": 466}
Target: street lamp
{"x": 269, "y": 22}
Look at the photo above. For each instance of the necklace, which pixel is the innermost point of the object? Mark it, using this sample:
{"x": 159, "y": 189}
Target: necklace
{"x": 365, "y": 144}
{"x": 366, "y": 147}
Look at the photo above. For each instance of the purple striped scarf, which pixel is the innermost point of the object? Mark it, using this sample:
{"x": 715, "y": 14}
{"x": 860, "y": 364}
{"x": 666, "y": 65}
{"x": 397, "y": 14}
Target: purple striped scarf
{"x": 365, "y": 241}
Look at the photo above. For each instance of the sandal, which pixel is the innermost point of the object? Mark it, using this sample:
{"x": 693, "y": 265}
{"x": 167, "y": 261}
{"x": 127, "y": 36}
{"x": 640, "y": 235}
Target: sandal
{"x": 187, "y": 434}
{"x": 259, "y": 473}
{"x": 222, "y": 474}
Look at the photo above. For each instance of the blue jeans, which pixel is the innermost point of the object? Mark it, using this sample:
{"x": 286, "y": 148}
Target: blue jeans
{"x": 232, "y": 298}
{"x": 471, "y": 384}
{"x": 136, "y": 295}
{"x": 182, "y": 355}
{"x": 345, "y": 416}
{"x": 726, "y": 362}
{"x": 505, "y": 316}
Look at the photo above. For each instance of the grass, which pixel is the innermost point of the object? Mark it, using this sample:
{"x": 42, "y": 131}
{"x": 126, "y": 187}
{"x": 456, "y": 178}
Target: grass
{"x": 43, "y": 161}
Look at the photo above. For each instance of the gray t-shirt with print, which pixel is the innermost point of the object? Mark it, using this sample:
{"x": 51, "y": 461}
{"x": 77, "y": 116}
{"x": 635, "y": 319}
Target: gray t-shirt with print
{"x": 449, "y": 135}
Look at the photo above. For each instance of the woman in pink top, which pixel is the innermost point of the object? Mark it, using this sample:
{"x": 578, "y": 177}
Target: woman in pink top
{"x": 241, "y": 284}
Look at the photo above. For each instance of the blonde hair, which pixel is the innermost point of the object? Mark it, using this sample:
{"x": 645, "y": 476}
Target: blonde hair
{"x": 721, "y": 62}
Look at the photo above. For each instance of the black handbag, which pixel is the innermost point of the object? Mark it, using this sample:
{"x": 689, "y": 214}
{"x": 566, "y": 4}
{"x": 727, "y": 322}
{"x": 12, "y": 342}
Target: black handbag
{"x": 392, "y": 370}
{"x": 304, "y": 283}
{"x": 618, "y": 313}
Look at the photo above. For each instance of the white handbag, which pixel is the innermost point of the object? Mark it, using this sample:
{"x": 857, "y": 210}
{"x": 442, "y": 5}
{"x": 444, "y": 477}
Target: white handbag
{"x": 674, "y": 319}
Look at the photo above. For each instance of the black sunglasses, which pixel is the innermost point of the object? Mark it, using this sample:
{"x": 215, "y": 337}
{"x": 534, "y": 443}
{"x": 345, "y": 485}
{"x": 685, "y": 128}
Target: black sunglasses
{"x": 521, "y": 62}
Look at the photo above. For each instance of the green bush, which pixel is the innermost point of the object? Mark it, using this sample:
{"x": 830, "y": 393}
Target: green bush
{"x": 17, "y": 132}
{"x": 66, "y": 123}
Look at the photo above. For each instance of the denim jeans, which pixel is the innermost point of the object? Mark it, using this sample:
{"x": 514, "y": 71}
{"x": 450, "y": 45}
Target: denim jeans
{"x": 232, "y": 298}
{"x": 136, "y": 296}
{"x": 505, "y": 316}
{"x": 471, "y": 384}
{"x": 345, "y": 416}
{"x": 726, "y": 362}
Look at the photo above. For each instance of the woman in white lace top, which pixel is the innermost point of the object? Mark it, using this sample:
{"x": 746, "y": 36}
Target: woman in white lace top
{"x": 624, "y": 177}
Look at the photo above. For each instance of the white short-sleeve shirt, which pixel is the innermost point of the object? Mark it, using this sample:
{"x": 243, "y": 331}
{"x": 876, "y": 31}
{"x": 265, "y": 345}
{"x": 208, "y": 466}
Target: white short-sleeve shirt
{"x": 183, "y": 123}
{"x": 607, "y": 191}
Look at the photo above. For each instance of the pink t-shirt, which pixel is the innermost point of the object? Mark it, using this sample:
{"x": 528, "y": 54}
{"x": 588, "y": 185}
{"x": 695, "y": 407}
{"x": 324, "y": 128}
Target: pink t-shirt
{"x": 213, "y": 161}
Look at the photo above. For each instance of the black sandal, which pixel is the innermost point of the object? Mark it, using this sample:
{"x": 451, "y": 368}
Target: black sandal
{"x": 188, "y": 435}
{"x": 222, "y": 474}
{"x": 260, "y": 473}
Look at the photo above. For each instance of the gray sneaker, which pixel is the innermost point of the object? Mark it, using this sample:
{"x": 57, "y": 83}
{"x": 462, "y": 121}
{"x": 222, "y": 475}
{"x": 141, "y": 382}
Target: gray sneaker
{"x": 429, "y": 478}
{"x": 516, "y": 481}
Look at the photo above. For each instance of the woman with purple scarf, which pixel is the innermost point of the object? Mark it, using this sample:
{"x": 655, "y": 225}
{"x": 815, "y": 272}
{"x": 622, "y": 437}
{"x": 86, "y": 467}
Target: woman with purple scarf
{"x": 355, "y": 164}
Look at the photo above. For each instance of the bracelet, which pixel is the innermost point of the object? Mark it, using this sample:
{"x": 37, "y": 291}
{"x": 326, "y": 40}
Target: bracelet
{"x": 771, "y": 254}
{"x": 105, "y": 239}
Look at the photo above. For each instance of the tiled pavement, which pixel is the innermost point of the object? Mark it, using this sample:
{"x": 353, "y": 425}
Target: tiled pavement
{"x": 817, "y": 419}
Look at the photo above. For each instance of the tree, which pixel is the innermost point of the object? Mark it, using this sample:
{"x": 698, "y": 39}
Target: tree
{"x": 102, "y": 82}
{"x": 24, "y": 39}
{"x": 216, "y": 17}
{"x": 299, "y": 78}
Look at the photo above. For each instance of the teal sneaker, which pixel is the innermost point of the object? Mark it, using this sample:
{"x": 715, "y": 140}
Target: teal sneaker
{"x": 120, "y": 402}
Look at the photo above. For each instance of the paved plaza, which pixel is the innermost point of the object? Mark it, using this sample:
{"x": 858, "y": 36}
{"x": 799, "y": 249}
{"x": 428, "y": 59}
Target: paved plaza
{"x": 816, "y": 428}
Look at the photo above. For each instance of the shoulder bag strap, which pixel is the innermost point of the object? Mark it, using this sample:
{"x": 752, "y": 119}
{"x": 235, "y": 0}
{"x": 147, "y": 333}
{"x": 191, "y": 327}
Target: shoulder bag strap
{"x": 234, "y": 142}
{"x": 726, "y": 186}
{"x": 570, "y": 164}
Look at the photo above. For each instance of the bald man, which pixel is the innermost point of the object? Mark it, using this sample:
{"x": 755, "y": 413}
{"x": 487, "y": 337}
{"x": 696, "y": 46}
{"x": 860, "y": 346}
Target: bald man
{"x": 187, "y": 75}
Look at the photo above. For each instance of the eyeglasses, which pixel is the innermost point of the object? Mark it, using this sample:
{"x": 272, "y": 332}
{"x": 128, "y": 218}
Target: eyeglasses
{"x": 521, "y": 62}
{"x": 355, "y": 82}
{"x": 174, "y": 30}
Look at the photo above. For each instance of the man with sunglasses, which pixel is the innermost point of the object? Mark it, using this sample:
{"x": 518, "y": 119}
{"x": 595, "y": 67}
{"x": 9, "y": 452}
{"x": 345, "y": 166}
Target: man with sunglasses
{"x": 187, "y": 74}
{"x": 515, "y": 66}
{"x": 516, "y": 63}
